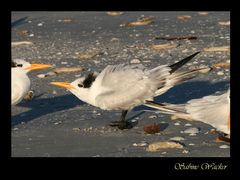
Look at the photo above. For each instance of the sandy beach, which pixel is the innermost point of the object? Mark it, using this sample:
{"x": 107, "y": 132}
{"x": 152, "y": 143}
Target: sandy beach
{"x": 57, "y": 124}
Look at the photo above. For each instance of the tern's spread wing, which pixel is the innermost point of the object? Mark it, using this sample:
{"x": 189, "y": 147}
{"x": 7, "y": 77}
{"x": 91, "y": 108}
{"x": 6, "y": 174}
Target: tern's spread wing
{"x": 213, "y": 110}
{"x": 126, "y": 86}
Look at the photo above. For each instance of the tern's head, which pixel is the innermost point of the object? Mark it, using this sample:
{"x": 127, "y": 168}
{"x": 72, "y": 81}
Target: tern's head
{"x": 79, "y": 84}
{"x": 24, "y": 65}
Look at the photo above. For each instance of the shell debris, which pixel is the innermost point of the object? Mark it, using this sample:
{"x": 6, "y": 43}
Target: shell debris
{"x": 114, "y": 13}
{"x": 177, "y": 138}
{"x": 158, "y": 146}
{"x": 203, "y": 13}
{"x": 191, "y": 130}
{"x": 216, "y": 49}
{"x": 141, "y": 144}
{"x": 163, "y": 46}
{"x": 140, "y": 22}
{"x": 184, "y": 17}
{"x": 19, "y": 43}
{"x": 88, "y": 54}
{"x": 224, "y": 23}
{"x": 152, "y": 128}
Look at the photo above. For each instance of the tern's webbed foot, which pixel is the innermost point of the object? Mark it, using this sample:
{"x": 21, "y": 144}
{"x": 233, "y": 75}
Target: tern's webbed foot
{"x": 121, "y": 124}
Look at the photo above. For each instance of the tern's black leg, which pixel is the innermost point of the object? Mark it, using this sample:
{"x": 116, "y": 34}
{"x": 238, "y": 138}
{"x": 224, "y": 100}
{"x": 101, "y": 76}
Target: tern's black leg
{"x": 122, "y": 123}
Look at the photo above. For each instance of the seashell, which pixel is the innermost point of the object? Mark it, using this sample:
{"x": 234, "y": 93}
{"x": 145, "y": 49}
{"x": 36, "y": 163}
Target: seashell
{"x": 158, "y": 146}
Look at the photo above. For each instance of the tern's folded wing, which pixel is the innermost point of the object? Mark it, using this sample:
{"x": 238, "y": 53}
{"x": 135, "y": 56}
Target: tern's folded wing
{"x": 213, "y": 110}
{"x": 126, "y": 86}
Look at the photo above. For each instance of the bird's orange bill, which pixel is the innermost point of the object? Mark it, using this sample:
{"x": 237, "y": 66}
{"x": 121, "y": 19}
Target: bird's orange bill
{"x": 38, "y": 66}
{"x": 229, "y": 121}
{"x": 66, "y": 85}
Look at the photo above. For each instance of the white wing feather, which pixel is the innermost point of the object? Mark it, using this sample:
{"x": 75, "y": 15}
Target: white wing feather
{"x": 124, "y": 86}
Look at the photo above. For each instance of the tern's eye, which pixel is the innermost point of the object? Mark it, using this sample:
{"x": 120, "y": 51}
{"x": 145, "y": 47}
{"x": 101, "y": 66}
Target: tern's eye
{"x": 80, "y": 85}
{"x": 19, "y": 65}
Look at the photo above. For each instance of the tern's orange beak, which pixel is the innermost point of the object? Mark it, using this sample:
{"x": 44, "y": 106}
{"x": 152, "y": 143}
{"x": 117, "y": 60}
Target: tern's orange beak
{"x": 66, "y": 85}
{"x": 229, "y": 121}
{"x": 38, "y": 66}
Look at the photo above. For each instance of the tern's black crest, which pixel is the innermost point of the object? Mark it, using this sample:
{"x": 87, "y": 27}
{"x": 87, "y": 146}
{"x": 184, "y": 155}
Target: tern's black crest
{"x": 13, "y": 64}
{"x": 179, "y": 64}
{"x": 87, "y": 83}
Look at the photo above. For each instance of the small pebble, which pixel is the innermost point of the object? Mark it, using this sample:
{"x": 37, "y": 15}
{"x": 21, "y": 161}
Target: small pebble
{"x": 76, "y": 129}
{"x": 177, "y": 124}
{"x": 152, "y": 116}
{"x": 141, "y": 144}
{"x": 40, "y": 24}
{"x": 177, "y": 138}
{"x": 59, "y": 122}
{"x": 185, "y": 151}
{"x": 41, "y": 75}
{"x": 96, "y": 155}
{"x": 133, "y": 120}
{"x": 164, "y": 152}
{"x": 135, "y": 61}
{"x": 188, "y": 124}
{"x": 64, "y": 62}
{"x": 192, "y": 134}
{"x": 31, "y": 35}
{"x": 54, "y": 92}
{"x": 224, "y": 146}
{"x": 220, "y": 73}
{"x": 191, "y": 144}
{"x": 192, "y": 130}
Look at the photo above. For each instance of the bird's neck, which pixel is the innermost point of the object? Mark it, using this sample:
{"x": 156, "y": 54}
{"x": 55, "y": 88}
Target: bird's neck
{"x": 84, "y": 95}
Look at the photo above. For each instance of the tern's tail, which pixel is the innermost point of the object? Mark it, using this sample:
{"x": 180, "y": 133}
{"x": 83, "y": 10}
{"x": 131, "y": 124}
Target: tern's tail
{"x": 177, "y": 110}
{"x": 180, "y": 77}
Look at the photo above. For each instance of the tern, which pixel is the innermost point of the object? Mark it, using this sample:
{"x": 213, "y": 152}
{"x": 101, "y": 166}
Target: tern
{"x": 20, "y": 81}
{"x": 122, "y": 87}
{"x": 212, "y": 109}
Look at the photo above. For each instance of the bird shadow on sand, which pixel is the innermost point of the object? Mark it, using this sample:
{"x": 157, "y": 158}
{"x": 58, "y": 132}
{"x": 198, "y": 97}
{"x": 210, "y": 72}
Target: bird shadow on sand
{"x": 178, "y": 94}
{"x": 43, "y": 106}
{"x": 187, "y": 91}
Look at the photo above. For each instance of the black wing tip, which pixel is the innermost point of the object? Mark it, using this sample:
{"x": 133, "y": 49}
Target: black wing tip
{"x": 180, "y": 63}
{"x": 18, "y": 21}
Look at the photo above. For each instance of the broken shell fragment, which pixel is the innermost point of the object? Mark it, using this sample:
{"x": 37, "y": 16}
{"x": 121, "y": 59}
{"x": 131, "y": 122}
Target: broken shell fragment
{"x": 158, "y": 146}
{"x": 114, "y": 13}
{"x": 191, "y": 130}
{"x": 88, "y": 55}
{"x": 214, "y": 49}
{"x": 23, "y": 32}
{"x": 222, "y": 65}
{"x": 224, "y": 23}
{"x": 140, "y": 22}
{"x": 152, "y": 128}
{"x": 203, "y": 13}
{"x": 141, "y": 144}
{"x": 19, "y": 43}
{"x": 184, "y": 17}
{"x": 163, "y": 46}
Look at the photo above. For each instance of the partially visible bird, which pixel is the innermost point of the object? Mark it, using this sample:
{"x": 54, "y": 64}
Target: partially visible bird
{"x": 20, "y": 82}
{"x": 212, "y": 109}
{"x": 122, "y": 87}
